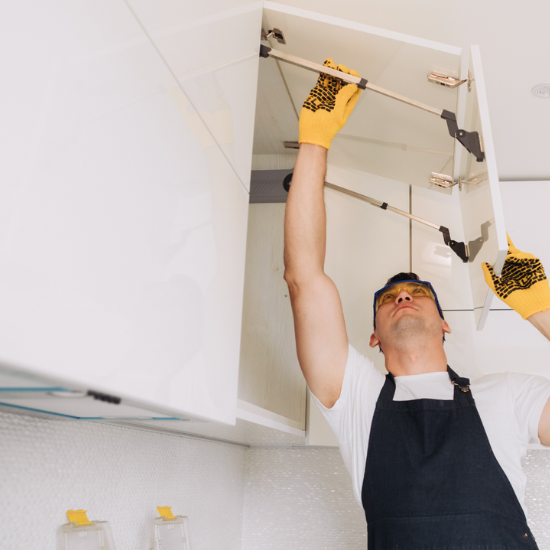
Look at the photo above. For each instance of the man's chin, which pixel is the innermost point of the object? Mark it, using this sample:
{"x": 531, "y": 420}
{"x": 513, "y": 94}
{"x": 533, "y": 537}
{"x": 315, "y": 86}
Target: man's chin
{"x": 407, "y": 327}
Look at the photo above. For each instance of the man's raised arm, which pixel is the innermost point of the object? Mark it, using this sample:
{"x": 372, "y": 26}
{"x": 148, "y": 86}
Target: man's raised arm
{"x": 321, "y": 338}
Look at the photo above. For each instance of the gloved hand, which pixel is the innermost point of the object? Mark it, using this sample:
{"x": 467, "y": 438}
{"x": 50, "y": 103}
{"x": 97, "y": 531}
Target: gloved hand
{"x": 327, "y": 107}
{"x": 523, "y": 284}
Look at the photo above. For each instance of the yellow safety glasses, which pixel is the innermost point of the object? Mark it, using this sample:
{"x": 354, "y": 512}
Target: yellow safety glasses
{"x": 417, "y": 289}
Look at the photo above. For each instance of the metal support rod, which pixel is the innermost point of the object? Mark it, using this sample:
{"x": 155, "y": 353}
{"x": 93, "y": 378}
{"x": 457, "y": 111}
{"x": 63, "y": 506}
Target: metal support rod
{"x": 460, "y": 249}
{"x": 358, "y": 81}
{"x": 471, "y": 141}
{"x": 380, "y": 204}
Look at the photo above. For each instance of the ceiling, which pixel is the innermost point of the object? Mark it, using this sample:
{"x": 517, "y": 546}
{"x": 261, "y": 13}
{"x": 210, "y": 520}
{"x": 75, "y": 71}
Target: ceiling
{"x": 514, "y": 44}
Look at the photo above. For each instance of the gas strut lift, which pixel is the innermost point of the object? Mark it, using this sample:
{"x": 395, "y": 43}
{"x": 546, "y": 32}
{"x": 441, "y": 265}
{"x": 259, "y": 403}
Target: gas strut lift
{"x": 460, "y": 249}
{"x": 470, "y": 140}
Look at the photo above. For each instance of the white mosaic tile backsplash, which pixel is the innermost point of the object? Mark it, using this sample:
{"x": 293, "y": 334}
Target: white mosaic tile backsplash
{"x": 118, "y": 474}
{"x": 537, "y": 495}
{"x": 300, "y": 499}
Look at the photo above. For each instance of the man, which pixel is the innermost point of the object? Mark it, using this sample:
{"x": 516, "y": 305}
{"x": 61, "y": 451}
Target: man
{"x": 435, "y": 460}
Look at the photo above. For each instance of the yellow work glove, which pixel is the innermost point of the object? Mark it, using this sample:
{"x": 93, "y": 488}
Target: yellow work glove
{"x": 523, "y": 284}
{"x": 327, "y": 107}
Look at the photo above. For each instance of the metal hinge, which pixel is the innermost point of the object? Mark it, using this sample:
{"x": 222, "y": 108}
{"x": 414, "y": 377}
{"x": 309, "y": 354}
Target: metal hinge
{"x": 277, "y": 34}
{"x": 442, "y": 180}
{"x": 449, "y": 81}
{"x": 474, "y": 179}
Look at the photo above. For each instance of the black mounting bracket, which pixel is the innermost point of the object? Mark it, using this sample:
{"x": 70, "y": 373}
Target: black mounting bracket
{"x": 104, "y": 397}
{"x": 458, "y": 248}
{"x": 264, "y": 50}
{"x": 470, "y": 140}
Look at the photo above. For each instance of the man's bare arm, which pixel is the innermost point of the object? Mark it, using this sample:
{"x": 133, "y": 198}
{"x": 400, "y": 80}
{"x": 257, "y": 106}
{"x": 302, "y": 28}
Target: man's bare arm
{"x": 321, "y": 338}
{"x": 541, "y": 321}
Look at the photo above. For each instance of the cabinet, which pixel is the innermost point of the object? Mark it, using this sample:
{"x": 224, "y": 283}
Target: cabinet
{"x": 397, "y": 141}
{"x": 388, "y": 150}
{"x": 124, "y": 206}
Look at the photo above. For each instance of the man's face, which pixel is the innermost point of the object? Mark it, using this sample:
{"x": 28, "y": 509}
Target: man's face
{"x": 407, "y": 313}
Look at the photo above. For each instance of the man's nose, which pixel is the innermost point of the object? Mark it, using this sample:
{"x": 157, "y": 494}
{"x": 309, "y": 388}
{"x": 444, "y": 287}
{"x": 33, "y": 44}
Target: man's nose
{"x": 403, "y": 296}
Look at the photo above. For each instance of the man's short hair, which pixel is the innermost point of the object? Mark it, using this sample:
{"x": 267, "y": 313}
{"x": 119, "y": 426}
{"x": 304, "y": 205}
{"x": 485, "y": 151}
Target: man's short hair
{"x": 403, "y": 277}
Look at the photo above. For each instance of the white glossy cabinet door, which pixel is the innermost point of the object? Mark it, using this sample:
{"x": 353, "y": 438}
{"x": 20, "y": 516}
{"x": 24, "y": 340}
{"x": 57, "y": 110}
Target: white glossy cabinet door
{"x": 122, "y": 223}
{"x": 212, "y": 49}
{"x": 480, "y": 201}
{"x": 473, "y": 214}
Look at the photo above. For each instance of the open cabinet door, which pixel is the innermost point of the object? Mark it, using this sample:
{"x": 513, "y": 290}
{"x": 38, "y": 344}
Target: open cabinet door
{"x": 397, "y": 141}
{"x": 383, "y": 136}
{"x": 480, "y": 201}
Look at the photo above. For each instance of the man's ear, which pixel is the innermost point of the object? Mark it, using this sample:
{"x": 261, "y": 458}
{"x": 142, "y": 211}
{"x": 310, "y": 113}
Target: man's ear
{"x": 446, "y": 327}
{"x": 374, "y": 340}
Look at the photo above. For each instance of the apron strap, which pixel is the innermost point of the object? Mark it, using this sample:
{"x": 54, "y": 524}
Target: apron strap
{"x": 461, "y": 386}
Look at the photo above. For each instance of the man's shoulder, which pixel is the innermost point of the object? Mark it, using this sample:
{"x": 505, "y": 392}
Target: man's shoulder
{"x": 493, "y": 381}
{"x": 512, "y": 383}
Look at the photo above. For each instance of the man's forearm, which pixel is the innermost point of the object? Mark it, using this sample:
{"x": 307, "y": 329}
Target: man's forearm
{"x": 305, "y": 217}
{"x": 541, "y": 321}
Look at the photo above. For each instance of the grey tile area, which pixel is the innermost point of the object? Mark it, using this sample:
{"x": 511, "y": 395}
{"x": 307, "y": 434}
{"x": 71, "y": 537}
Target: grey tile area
{"x": 257, "y": 435}
{"x": 118, "y": 474}
{"x": 537, "y": 495}
{"x": 300, "y": 499}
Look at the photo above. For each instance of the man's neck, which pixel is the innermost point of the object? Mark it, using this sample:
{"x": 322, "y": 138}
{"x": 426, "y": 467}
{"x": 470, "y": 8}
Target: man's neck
{"x": 417, "y": 360}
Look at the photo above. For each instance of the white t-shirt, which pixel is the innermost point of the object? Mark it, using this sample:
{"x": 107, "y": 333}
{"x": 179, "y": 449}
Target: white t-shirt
{"x": 509, "y": 404}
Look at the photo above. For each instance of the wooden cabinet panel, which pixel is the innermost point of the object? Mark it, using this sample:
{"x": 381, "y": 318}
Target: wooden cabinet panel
{"x": 270, "y": 376}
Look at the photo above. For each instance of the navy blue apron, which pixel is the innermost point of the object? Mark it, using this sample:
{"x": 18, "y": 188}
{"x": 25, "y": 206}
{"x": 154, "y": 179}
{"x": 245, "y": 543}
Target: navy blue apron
{"x": 432, "y": 480}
